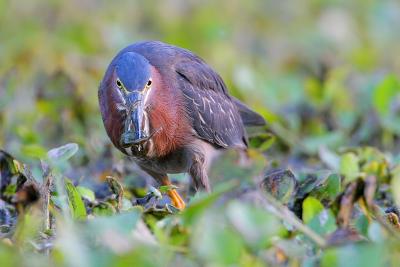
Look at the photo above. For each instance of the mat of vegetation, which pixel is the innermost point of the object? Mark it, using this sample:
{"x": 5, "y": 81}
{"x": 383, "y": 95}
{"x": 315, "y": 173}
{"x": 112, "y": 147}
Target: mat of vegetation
{"x": 321, "y": 187}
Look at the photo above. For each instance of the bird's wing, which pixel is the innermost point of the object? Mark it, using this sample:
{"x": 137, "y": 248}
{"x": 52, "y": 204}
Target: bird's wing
{"x": 214, "y": 116}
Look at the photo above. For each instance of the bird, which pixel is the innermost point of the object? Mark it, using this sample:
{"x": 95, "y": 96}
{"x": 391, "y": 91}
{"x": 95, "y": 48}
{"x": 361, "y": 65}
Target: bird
{"x": 168, "y": 110}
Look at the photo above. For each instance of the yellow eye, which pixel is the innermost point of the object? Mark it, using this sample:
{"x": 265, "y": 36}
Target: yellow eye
{"x": 119, "y": 84}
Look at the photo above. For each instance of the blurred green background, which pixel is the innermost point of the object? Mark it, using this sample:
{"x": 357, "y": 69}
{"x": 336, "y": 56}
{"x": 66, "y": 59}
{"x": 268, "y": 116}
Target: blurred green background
{"x": 310, "y": 67}
{"x": 324, "y": 73}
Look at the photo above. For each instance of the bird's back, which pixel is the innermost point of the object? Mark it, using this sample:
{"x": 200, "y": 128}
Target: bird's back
{"x": 216, "y": 116}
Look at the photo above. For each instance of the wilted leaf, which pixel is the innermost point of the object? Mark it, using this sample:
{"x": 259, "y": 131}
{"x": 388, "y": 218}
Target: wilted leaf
{"x": 346, "y": 204}
{"x": 393, "y": 219}
{"x": 280, "y": 184}
{"x": 117, "y": 189}
{"x": 369, "y": 190}
{"x": 343, "y": 236}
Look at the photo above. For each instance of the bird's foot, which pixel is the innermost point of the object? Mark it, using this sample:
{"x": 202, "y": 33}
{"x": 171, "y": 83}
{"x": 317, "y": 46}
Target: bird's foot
{"x": 153, "y": 202}
{"x": 176, "y": 199}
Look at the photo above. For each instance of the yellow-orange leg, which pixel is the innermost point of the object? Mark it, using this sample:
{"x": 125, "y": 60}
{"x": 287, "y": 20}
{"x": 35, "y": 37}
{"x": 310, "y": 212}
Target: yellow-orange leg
{"x": 176, "y": 199}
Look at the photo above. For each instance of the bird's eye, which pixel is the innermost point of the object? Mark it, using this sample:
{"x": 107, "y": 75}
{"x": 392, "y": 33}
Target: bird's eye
{"x": 119, "y": 84}
{"x": 149, "y": 83}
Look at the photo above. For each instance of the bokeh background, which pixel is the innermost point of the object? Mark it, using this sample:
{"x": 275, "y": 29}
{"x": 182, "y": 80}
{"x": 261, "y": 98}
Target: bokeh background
{"x": 324, "y": 73}
{"x": 311, "y": 67}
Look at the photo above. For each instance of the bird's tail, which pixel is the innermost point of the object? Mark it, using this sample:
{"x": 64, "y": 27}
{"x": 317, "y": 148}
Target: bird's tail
{"x": 249, "y": 117}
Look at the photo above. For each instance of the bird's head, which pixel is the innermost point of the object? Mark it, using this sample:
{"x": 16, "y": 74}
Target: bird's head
{"x": 128, "y": 83}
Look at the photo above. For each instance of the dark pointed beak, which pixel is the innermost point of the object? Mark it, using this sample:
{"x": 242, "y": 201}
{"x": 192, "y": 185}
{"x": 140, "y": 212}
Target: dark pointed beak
{"x": 135, "y": 132}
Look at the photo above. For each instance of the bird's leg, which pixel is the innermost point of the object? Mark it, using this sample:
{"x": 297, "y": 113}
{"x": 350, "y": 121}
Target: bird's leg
{"x": 176, "y": 199}
{"x": 163, "y": 179}
{"x": 198, "y": 173}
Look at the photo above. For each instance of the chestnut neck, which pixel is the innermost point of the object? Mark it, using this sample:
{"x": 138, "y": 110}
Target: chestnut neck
{"x": 168, "y": 117}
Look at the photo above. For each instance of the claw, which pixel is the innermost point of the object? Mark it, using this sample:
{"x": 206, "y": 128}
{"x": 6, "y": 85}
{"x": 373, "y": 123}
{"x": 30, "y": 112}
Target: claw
{"x": 176, "y": 199}
{"x": 153, "y": 202}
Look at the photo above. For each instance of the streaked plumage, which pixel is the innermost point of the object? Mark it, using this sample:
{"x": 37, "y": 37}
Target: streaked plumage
{"x": 187, "y": 109}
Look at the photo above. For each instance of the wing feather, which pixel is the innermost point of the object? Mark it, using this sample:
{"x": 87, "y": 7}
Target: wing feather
{"x": 215, "y": 117}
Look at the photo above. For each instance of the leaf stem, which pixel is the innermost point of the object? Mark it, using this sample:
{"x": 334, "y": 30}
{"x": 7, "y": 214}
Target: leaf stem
{"x": 285, "y": 214}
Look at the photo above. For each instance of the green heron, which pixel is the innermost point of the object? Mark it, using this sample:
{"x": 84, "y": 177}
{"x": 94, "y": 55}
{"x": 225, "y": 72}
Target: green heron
{"x": 167, "y": 109}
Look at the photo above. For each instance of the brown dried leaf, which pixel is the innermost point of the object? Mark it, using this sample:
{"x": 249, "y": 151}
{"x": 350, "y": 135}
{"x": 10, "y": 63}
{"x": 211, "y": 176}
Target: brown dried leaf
{"x": 344, "y": 235}
{"x": 117, "y": 189}
{"x": 346, "y": 204}
{"x": 393, "y": 219}
{"x": 369, "y": 190}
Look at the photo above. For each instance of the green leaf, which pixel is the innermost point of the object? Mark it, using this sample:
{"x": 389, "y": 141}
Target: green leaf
{"x": 323, "y": 223}
{"x": 376, "y": 233}
{"x": 349, "y": 166}
{"x": 122, "y": 223}
{"x": 255, "y": 225}
{"x": 395, "y": 185}
{"x": 362, "y": 224}
{"x": 76, "y": 205}
{"x": 262, "y": 141}
{"x": 355, "y": 255}
{"x": 329, "y": 189}
{"x": 166, "y": 188}
{"x": 385, "y": 93}
{"x": 86, "y": 193}
{"x": 9, "y": 168}
{"x": 10, "y": 190}
{"x": 331, "y": 159}
{"x": 200, "y": 204}
{"x": 34, "y": 151}
{"x": 311, "y": 208}
{"x": 330, "y": 139}
{"x": 333, "y": 185}
{"x": 216, "y": 242}
{"x": 62, "y": 153}
{"x": 104, "y": 209}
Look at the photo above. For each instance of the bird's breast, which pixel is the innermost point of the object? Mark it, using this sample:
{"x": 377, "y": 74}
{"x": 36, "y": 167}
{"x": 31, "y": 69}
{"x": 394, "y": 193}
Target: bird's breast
{"x": 177, "y": 161}
{"x": 167, "y": 119}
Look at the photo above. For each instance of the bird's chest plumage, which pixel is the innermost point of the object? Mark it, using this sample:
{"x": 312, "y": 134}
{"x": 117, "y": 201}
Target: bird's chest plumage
{"x": 177, "y": 161}
{"x": 168, "y": 121}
